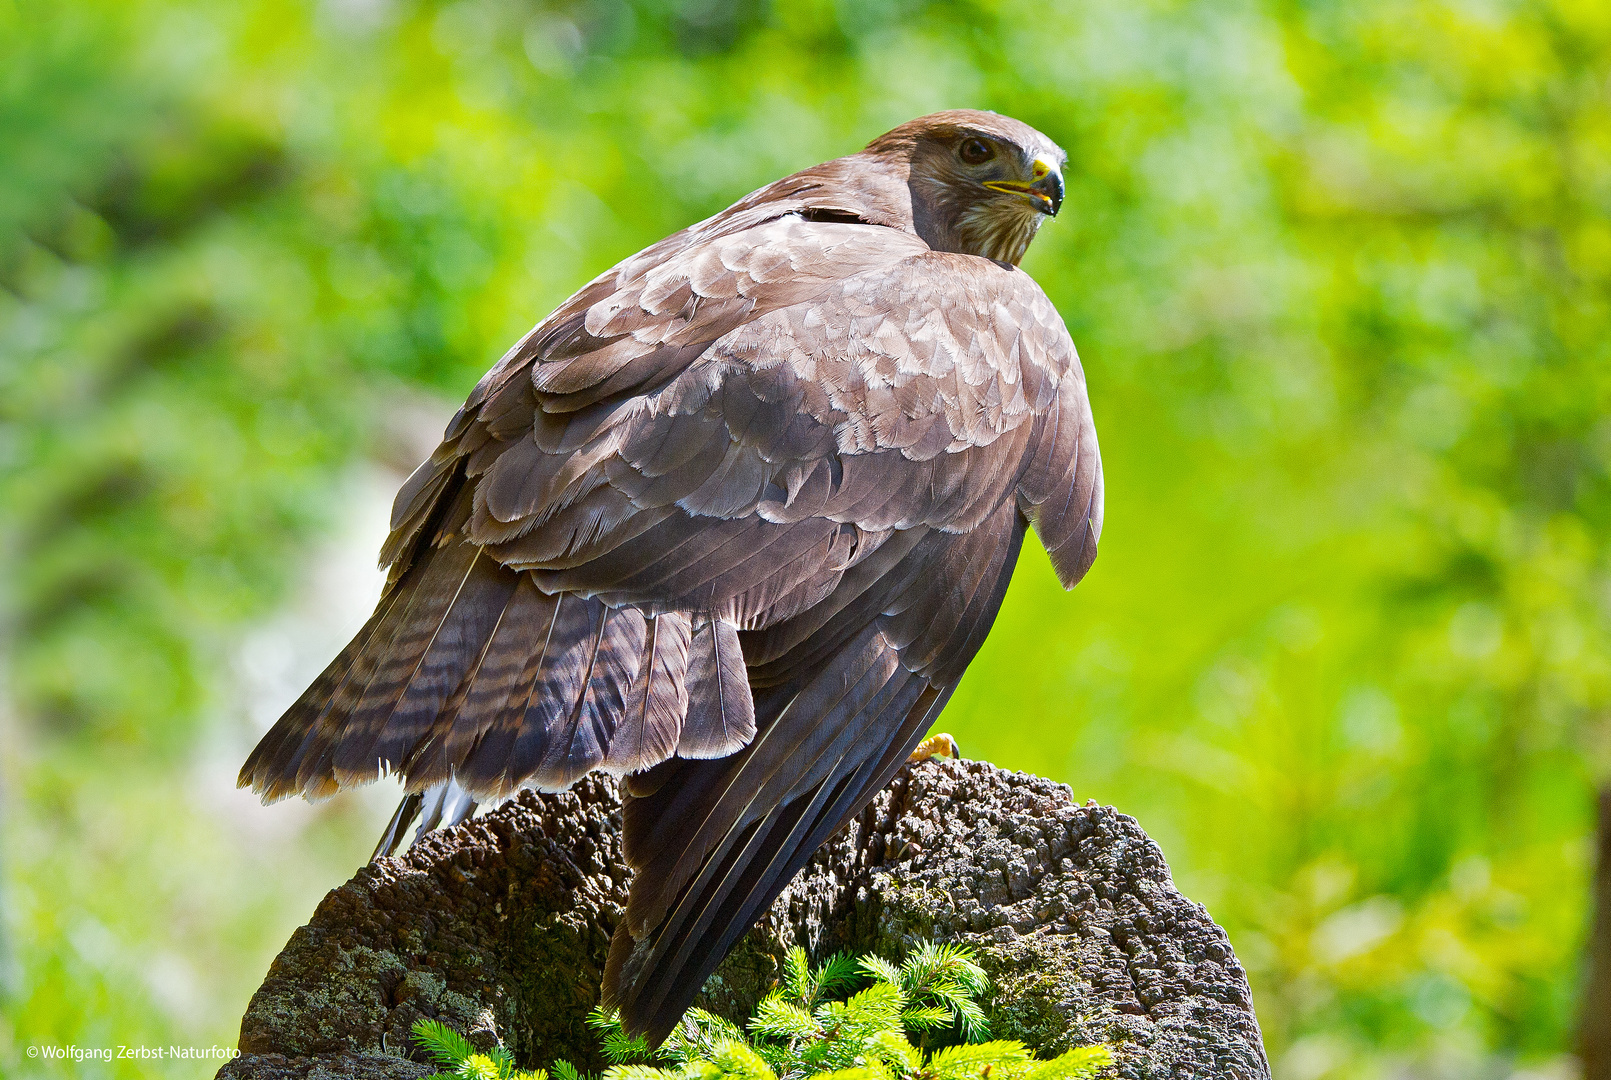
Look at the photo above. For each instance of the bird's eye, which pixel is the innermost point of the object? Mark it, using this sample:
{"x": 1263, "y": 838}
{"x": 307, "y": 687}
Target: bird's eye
{"x": 975, "y": 151}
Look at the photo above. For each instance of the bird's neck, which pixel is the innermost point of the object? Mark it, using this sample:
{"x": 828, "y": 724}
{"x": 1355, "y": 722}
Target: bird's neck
{"x": 948, "y": 221}
{"x": 1002, "y": 237}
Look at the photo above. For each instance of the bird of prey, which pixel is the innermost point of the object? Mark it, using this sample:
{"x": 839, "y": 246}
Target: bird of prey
{"x": 729, "y": 523}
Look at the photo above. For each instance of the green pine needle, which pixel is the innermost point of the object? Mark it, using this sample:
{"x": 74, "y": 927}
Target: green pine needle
{"x": 928, "y": 1017}
{"x": 600, "y": 1018}
{"x": 738, "y": 1060}
{"x": 622, "y": 1048}
{"x": 777, "y": 1018}
{"x": 810, "y": 1028}
{"x": 971, "y": 1018}
{"x": 564, "y": 1070}
{"x": 968, "y": 1062}
{"x": 640, "y": 1072}
{"x": 797, "y": 982}
{"x": 1080, "y": 1064}
{"x": 880, "y": 969}
{"x": 837, "y": 973}
{"x": 444, "y": 1045}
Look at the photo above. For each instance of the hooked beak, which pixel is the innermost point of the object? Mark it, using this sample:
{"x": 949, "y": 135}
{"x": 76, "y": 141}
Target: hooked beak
{"x": 1045, "y": 193}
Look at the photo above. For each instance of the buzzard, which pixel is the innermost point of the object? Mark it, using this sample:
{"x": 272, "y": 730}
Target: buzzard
{"x": 729, "y": 523}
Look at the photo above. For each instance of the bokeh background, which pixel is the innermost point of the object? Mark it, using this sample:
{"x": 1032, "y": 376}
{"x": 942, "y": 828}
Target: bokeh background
{"x": 1338, "y": 270}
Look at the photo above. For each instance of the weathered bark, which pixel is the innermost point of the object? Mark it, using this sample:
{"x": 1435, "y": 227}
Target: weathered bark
{"x": 500, "y": 927}
{"x": 1595, "y": 1037}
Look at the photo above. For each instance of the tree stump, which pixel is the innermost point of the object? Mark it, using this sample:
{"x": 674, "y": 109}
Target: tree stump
{"x": 500, "y": 927}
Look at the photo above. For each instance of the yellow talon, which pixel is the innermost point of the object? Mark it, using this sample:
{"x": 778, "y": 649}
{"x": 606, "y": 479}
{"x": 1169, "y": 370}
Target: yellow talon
{"x": 941, "y": 745}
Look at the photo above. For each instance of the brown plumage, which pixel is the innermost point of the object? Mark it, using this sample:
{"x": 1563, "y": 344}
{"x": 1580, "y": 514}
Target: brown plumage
{"x": 732, "y": 520}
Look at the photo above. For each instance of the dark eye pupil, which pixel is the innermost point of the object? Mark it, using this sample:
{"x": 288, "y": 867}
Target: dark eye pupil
{"x": 975, "y": 151}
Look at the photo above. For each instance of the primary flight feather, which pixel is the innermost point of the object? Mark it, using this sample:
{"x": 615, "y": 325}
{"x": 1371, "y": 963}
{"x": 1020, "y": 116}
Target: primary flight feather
{"x": 731, "y": 522}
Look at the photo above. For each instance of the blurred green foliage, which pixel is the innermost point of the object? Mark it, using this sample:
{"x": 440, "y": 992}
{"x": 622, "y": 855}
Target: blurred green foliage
{"x": 1339, "y": 273}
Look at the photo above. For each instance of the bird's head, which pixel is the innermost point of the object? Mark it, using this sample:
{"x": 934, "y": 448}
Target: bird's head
{"x": 981, "y": 183}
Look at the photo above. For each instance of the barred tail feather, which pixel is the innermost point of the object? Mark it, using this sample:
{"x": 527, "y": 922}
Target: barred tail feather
{"x": 715, "y": 842}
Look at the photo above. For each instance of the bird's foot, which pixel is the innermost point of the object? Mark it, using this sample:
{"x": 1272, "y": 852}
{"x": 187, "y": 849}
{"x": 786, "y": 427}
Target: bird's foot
{"x": 941, "y": 745}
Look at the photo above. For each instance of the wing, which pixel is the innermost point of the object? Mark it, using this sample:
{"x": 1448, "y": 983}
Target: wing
{"x": 472, "y": 666}
{"x": 840, "y": 702}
